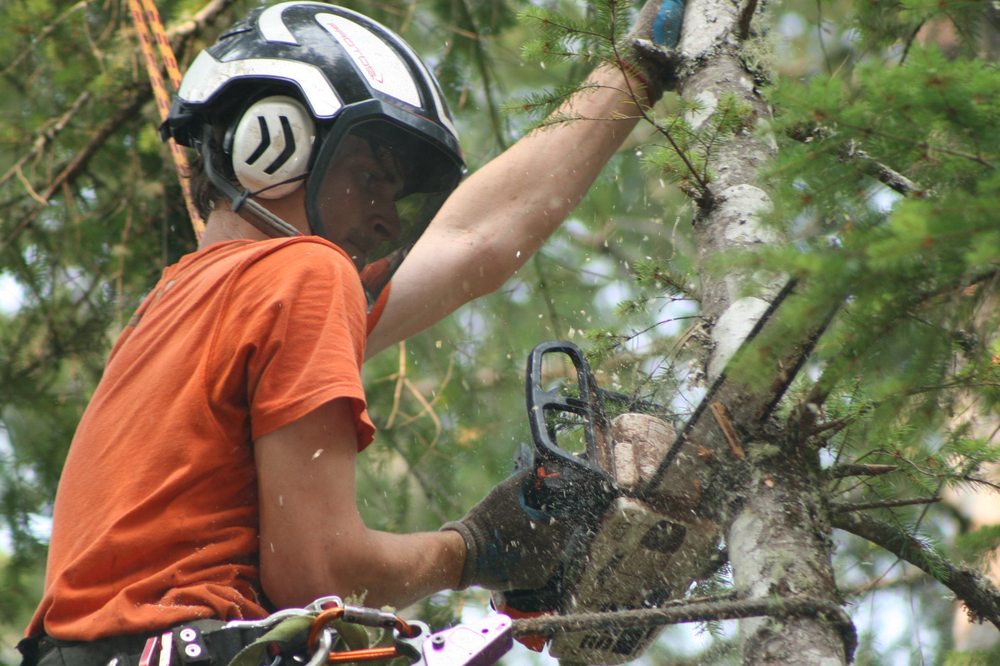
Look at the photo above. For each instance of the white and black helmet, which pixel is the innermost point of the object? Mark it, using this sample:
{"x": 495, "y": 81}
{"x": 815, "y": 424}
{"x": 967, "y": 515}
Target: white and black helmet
{"x": 294, "y": 84}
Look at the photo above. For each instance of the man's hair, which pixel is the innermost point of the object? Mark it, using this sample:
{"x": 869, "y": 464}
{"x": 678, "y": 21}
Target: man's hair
{"x": 203, "y": 191}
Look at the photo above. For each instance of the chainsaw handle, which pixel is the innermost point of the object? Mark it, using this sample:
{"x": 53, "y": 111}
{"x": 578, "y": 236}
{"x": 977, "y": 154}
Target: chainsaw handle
{"x": 541, "y": 403}
{"x": 562, "y": 485}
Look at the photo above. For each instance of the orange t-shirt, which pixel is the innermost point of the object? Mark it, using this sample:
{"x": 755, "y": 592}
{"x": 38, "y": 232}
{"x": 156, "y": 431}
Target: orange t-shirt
{"x": 155, "y": 519}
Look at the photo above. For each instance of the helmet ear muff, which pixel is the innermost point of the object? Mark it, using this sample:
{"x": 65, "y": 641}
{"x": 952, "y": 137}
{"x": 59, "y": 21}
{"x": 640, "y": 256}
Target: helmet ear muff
{"x": 270, "y": 146}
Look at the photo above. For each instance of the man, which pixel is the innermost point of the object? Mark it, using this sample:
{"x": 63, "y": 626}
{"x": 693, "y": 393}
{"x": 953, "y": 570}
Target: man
{"x": 213, "y": 474}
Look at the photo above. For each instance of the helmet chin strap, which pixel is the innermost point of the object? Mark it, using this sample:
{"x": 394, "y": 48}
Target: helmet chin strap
{"x": 264, "y": 220}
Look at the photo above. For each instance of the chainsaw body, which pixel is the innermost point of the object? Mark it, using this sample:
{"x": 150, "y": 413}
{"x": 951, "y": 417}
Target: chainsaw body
{"x": 638, "y": 550}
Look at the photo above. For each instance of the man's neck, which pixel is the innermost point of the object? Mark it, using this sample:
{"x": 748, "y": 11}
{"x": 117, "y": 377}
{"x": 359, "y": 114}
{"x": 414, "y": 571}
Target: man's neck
{"x": 225, "y": 225}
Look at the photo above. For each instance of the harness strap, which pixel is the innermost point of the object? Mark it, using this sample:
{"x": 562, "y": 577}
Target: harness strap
{"x": 201, "y": 642}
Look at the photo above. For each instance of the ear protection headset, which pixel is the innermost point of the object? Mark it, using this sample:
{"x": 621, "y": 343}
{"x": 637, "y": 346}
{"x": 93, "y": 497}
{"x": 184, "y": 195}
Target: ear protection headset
{"x": 270, "y": 146}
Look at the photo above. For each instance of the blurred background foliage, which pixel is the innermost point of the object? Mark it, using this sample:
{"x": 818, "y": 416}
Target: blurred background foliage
{"x": 91, "y": 213}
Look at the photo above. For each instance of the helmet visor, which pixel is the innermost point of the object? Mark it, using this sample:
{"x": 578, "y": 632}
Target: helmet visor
{"x": 373, "y": 193}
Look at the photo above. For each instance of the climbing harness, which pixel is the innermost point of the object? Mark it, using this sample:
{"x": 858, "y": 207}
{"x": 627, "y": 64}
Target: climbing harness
{"x": 330, "y": 632}
{"x": 149, "y": 27}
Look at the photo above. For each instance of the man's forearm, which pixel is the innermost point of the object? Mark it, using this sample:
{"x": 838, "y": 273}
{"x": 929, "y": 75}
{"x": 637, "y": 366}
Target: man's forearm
{"x": 377, "y": 568}
{"x": 524, "y": 194}
{"x": 408, "y": 567}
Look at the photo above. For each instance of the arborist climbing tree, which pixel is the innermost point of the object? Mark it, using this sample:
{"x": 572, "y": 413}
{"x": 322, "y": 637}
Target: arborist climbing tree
{"x": 212, "y": 477}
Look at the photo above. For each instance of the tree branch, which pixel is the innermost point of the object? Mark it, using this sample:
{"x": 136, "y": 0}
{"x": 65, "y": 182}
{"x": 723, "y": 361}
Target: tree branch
{"x": 884, "y": 174}
{"x": 46, "y": 136}
{"x": 725, "y": 608}
{"x": 980, "y": 596}
{"x": 842, "y": 471}
{"x": 194, "y": 25}
{"x": 852, "y": 152}
{"x": 884, "y": 504}
{"x": 484, "y": 72}
{"x": 80, "y": 160}
{"x": 41, "y": 36}
{"x": 178, "y": 35}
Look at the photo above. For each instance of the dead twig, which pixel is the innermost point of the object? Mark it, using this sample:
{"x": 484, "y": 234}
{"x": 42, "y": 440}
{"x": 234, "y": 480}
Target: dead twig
{"x": 722, "y": 418}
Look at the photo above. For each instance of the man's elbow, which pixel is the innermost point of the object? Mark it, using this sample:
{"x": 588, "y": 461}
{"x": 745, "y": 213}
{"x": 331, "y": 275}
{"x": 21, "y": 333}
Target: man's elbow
{"x": 290, "y": 582}
{"x": 296, "y": 582}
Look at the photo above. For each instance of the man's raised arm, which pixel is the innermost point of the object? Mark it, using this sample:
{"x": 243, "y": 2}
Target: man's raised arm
{"x": 500, "y": 216}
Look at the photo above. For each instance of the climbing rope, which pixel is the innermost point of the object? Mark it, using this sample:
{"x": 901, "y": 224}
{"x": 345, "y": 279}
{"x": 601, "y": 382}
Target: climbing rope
{"x": 149, "y": 27}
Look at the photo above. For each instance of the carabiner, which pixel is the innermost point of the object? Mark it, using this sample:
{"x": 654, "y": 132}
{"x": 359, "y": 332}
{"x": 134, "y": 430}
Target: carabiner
{"x": 322, "y": 653}
{"x": 273, "y": 618}
{"x": 321, "y": 604}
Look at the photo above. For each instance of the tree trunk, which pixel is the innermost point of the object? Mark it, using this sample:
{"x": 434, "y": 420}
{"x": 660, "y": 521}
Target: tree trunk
{"x": 766, "y": 492}
{"x": 780, "y": 546}
{"x": 729, "y": 217}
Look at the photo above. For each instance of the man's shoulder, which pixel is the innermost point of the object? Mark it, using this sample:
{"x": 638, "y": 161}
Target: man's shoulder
{"x": 258, "y": 274}
{"x": 278, "y": 256}
{"x": 301, "y": 256}
{"x": 298, "y": 246}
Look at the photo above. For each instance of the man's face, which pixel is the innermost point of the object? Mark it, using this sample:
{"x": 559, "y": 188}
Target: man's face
{"x": 358, "y": 198}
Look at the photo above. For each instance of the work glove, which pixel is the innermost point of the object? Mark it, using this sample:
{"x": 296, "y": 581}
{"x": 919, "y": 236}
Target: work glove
{"x": 509, "y": 544}
{"x": 648, "y": 46}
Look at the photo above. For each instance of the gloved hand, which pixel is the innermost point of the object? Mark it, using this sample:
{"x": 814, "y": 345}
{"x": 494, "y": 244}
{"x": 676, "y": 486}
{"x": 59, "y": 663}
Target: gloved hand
{"x": 648, "y": 44}
{"x": 509, "y": 544}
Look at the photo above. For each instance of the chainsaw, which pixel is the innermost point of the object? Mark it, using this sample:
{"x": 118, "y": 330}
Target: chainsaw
{"x": 639, "y": 549}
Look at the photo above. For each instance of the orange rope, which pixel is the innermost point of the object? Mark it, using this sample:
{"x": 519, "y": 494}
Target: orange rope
{"x": 166, "y": 53}
{"x": 147, "y": 25}
{"x": 363, "y": 654}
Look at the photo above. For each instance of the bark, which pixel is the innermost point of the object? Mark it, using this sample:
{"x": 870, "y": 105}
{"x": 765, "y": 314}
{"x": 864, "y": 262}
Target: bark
{"x": 729, "y": 217}
{"x": 779, "y": 546}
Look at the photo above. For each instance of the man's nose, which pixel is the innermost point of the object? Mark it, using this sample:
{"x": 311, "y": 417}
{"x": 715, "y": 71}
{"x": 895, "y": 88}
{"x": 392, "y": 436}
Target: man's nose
{"x": 386, "y": 224}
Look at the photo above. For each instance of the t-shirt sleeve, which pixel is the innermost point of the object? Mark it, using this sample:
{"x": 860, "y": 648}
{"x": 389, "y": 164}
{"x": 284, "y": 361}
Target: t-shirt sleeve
{"x": 376, "y": 311}
{"x": 302, "y": 319}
